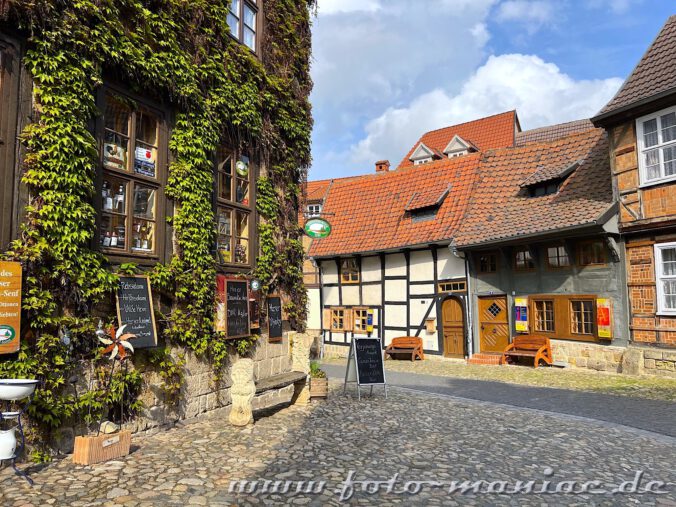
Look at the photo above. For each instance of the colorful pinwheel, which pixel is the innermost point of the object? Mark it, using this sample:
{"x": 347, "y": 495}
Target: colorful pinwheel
{"x": 117, "y": 346}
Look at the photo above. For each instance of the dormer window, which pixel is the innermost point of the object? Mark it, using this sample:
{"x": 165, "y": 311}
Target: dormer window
{"x": 422, "y": 161}
{"x": 548, "y": 179}
{"x": 551, "y": 187}
{"x": 458, "y": 147}
{"x": 422, "y": 155}
{"x": 314, "y": 210}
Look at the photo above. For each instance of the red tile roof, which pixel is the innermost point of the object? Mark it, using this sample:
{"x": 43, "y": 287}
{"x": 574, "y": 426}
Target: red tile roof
{"x": 500, "y": 210}
{"x": 368, "y": 214}
{"x": 433, "y": 196}
{"x": 654, "y": 74}
{"x": 552, "y": 132}
{"x": 492, "y": 132}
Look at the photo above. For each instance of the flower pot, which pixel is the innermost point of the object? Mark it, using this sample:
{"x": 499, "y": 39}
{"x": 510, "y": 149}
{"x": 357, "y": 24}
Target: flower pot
{"x": 95, "y": 449}
{"x": 12, "y": 389}
{"x": 7, "y": 444}
{"x": 319, "y": 387}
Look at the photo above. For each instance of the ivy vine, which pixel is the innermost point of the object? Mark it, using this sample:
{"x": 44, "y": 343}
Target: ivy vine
{"x": 179, "y": 53}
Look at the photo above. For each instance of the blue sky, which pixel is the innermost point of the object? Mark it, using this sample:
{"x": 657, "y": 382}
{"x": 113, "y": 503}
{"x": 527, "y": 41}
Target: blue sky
{"x": 386, "y": 71}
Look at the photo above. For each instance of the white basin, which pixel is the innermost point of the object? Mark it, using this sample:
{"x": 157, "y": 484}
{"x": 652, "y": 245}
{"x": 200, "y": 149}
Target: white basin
{"x": 7, "y": 444}
{"x": 17, "y": 388}
{"x": 7, "y": 416}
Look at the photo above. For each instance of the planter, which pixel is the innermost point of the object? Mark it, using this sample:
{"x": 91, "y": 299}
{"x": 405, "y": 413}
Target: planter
{"x": 12, "y": 389}
{"x": 7, "y": 444}
{"x": 319, "y": 387}
{"x": 95, "y": 449}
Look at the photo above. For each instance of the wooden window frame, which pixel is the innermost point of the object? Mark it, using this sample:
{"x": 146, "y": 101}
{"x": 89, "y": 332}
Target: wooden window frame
{"x": 158, "y": 183}
{"x": 547, "y": 257}
{"x": 534, "y": 312}
{"x": 363, "y": 319}
{"x": 492, "y": 255}
{"x": 352, "y": 272}
{"x": 342, "y": 318}
{"x": 661, "y": 144}
{"x": 580, "y": 247}
{"x": 233, "y": 207}
{"x": 530, "y": 260}
{"x": 661, "y": 278}
{"x": 314, "y": 213}
{"x": 257, "y": 7}
{"x": 572, "y": 301}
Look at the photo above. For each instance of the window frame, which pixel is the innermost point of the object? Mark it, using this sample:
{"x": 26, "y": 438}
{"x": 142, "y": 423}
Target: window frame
{"x": 233, "y": 207}
{"x": 257, "y": 7}
{"x": 363, "y": 320}
{"x": 567, "y": 253}
{"x": 659, "y": 278}
{"x": 641, "y": 148}
{"x": 458, "y": 282}
{"x": 312, "y": 214}
{"x": 354, "y": 271}
{"x": 571, "y": 312}
{"x": 528, "y": 259}
{"x": 342, "y": 319}
{"x": 582, "y": 244}
{"x": 492, "y": 255}
{"x": 535, "y": 302}
{"x": 158, "y": 183}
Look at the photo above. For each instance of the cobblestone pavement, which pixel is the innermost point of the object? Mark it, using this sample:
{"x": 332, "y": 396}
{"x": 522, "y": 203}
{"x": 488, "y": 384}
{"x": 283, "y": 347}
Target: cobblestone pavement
{"x": 421, "y": 437}
{"x": 652, "y": 387}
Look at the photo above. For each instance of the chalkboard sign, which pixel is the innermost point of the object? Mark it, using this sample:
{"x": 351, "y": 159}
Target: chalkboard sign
{"x": 275, "y": 318}
{"x": 369, "y": 359}
{"x": 135, "y": 309}
{"x": 237, "y": 308}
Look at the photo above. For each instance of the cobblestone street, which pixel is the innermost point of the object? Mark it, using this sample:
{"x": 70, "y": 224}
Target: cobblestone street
{"x": 421, "y": 437}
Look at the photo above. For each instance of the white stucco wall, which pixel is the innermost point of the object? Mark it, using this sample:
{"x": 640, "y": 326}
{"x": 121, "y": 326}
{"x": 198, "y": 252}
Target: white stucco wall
{"x": 427, "y": 288}
{"x": 350, "y": 295}
{"x": 449, "y": 266}
{"x": 313, "y": 310}
{"x": 422, "y": 266}
{"x": 395, "y": 290}
{"x": 331, "y": 296}
{"x": 370, "y": 269}
{"x": 395, "y": 265}
{"x": 372, "y": 295}
{"x": 329, "y": 272}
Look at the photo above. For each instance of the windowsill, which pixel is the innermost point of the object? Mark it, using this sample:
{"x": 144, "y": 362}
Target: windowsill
{"x": 661, "y": 181}
{"x": 253, "y": 51}
{"x": 663, "y": 313}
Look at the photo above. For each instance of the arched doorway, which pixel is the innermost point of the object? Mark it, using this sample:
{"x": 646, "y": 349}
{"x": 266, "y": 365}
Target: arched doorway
{"x": 453, "y": 319}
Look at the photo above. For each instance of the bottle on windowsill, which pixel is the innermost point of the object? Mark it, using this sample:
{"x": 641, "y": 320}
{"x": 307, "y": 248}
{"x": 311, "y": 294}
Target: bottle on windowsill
{"x": 113, "y": 239}
{"x": 105, "y": 240}
{"x": 119, "y": 200}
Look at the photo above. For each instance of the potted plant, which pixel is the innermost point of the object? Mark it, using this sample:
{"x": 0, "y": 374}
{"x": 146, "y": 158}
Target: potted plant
{"x": 319, "y": 384}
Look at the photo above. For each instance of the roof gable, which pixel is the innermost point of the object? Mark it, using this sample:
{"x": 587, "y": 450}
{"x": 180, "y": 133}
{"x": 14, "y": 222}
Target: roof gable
{"x": 488, "y": 133}
{"x": 421, "y": 152}
{"x": 457, "y": 144}
{"x": 653, "y": 76}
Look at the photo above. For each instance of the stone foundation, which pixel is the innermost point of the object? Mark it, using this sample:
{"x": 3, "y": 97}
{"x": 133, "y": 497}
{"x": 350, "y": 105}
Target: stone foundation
{"x": 593, "y": 356}
{"x": 336, "y": 351}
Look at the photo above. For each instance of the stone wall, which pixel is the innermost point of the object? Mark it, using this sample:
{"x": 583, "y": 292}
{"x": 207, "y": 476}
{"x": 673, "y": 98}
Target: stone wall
{"x": 592, "y": 356}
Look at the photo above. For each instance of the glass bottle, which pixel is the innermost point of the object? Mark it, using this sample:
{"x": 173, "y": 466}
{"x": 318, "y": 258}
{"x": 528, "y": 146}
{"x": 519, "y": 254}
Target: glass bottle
{"x": 119, "y": 200}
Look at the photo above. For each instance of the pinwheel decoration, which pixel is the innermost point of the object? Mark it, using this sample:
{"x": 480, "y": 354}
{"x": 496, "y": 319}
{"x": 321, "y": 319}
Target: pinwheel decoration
{"x": 117, "y": 346}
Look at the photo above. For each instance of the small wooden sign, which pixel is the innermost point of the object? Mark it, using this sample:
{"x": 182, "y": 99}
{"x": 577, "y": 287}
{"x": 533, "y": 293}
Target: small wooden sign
{"x": 275, "y": 332}
{"x": 10, "y": 307}
{"x": 135, "y": 309}
{"x": 237, "y": 308}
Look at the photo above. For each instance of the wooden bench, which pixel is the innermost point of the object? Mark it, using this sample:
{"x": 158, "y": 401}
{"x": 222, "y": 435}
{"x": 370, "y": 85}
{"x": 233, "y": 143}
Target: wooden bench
{"x": 412, "y": 345}
{"x": 533, "y": 346}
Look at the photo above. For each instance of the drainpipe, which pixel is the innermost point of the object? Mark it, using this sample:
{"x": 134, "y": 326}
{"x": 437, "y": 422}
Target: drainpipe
{"x": 468, "y": 302}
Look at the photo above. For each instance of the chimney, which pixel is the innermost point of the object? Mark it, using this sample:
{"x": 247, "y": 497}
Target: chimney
{"x": 382, "y": 166}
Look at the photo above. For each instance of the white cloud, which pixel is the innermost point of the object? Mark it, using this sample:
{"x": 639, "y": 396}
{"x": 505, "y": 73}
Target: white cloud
{"x": 336, "y": 6}
{"x": 538, "y": 90}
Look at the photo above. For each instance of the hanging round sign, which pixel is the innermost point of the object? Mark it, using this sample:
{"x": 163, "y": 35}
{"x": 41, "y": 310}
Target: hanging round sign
{"x": 255, "y": 284}
{"x": 317, "y": 228}
{"x": 242, "y": 168}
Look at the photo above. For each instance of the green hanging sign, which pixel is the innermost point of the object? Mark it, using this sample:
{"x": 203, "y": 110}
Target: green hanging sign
{"x": 317, "y": 228}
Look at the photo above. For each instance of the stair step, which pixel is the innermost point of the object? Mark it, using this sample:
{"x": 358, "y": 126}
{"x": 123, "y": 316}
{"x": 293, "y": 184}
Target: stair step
{"x": 484, "y": 359}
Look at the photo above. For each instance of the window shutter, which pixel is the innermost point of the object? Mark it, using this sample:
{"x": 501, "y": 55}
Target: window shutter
{"x": 326, "y": 319}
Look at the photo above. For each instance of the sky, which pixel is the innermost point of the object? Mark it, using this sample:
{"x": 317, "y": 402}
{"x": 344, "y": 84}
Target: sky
{"x": 386, "y": 71}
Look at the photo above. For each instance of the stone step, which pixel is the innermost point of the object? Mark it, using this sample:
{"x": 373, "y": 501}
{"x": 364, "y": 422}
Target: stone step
{"x": 484, "y": 358}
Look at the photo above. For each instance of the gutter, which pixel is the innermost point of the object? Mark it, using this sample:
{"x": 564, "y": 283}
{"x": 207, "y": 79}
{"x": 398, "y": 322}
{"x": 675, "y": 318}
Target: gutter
{"x": 397, "y": 249}
{"x": 602, "y": 120}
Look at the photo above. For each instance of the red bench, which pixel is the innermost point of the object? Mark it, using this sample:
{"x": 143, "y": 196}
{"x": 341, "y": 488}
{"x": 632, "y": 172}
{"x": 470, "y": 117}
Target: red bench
{"x": 412, "y": 345}
{"x": 534, "y": 346}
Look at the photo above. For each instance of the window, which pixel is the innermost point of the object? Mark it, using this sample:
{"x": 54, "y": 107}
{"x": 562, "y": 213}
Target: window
{"x": 656, "y": 136}
{"x": 360, "y": 320}
{"x": 337, "y": 319}
{"x": 543, "y": 316}
{"x": 233, "y": 212}
{"x": 130, "y": 191}
{"x": 582, "y": 317}
{"x": 242, "y": 21}
{"x": 422, "y": 161}
{"x": 453, "y": 286}
{"x": 541, "y": 189}
{"x": 591, "y": 253}
{"x": 665, "y": 274}
{"x": 314, "y": 210}
{"x": 557, "y": 256}
{"x": 488, "y": 263}
{"x": 349, "y": 271}
{"x": 523, "y": 260}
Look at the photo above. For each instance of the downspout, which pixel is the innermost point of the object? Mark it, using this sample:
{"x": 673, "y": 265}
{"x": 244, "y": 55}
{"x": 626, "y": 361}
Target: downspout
{"x": 468, "y": 302}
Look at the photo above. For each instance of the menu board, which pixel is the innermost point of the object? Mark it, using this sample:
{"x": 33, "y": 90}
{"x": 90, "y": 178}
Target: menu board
{"x": 135, "y": 309}
{"x": 369, "y": 359}
{"x": 237, "y": 308}
{"x": 275, "y": 318}
{"x": 10, "y": 307}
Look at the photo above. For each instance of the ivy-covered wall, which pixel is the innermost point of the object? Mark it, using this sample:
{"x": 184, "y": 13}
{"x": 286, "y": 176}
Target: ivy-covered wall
{"x": 179, "y": 53}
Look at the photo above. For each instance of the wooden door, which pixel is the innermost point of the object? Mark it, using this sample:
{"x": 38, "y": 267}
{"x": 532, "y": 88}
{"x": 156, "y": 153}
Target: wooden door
{"x": 493, "y": 324}
{"x": 454, "y": 328}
